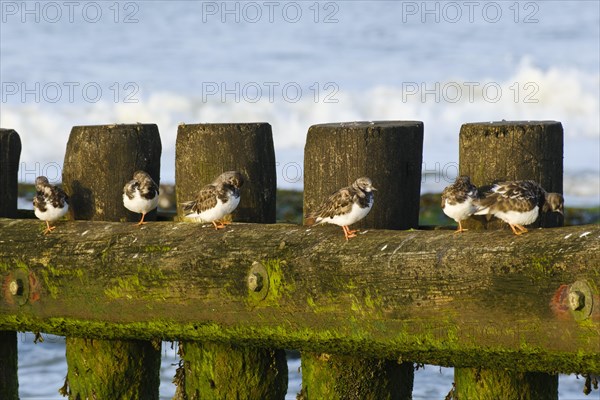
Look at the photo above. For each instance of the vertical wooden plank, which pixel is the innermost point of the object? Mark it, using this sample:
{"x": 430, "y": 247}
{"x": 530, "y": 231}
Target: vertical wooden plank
{"x": 10, "y": 152}
{"x": 390, "y": 153}
{"x": 492, "y": 152}
{"x": 98, "y": 162}
{"x": 204, "y": 151}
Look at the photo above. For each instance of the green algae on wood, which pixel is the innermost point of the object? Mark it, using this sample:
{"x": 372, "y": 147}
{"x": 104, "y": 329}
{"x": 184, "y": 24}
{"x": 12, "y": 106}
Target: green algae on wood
{"x": 222, "y": 370}
{"x": 113, "y": 369}
{"x": 227, "y": 371}
{"x": 431, "y": 290}
{"x": 351, "y": 377}
{"x": 507, "y": 385}
{"x": 122, "y": 369}
{"x": 505, "y": 151}
{"x": 335, "y": 156}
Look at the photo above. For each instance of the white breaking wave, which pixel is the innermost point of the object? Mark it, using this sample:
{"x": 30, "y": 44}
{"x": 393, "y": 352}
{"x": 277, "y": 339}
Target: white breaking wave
{"x": 530, "y": 93}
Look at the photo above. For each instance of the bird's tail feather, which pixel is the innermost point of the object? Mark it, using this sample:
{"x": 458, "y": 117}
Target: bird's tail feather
{"x": 188, "y": 206}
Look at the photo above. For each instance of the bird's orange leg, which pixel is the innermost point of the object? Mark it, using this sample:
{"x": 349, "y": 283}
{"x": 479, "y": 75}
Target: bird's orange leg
{"x": 460, "y": 228}
{"x": 348, "y": 233}
{"x": 522, "y": 228}
{"x": 218, "y": 225}
{"x": 516, "y": 232}
{"x": 142, "y": 222}
{"x": 49, "y": 228}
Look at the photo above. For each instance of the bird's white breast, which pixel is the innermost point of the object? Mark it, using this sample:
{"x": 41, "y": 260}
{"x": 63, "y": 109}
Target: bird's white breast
{"x": 217, "y": 212}
{"x": 519, "y": 218}
{"x": 139, "y": 204}
{"x": 356, "y": 214}
{"x": 52, "y": 213}
{"x": 459, "y": 211}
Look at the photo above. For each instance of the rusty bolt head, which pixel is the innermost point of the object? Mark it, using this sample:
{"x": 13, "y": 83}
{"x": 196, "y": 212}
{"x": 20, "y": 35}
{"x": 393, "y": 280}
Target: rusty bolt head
{"x": 255, "y": 282}
{"x": 576, "y": 300}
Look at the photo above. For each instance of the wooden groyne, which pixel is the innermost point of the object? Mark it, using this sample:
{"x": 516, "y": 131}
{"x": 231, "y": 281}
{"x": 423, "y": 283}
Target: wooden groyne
{"x": 508, "y": 312}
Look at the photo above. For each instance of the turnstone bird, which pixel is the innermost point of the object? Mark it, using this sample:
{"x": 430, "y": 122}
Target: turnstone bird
{"x": 140, "y": 195}
{"x": 346, "y": 206}
{"x": 457, "y": 200}
{"x": 50, "y": 202}
{"x": 216, "y": 200}
{"x": 518, "y": 203}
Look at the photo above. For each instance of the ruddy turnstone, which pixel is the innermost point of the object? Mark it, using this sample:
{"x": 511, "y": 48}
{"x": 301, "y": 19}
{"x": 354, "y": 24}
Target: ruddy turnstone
{"x": 140, "y": 195}
{"x": 216, "y": 200}
{"x": 457, "y": 200}
{"x": 518, "y": 203}
{"x": 50, "y": 202}
{"x": 346, "y": 206}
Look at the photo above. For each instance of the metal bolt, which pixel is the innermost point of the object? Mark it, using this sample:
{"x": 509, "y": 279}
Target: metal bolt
{"x": 14, "y": 288}
{"x": 576, "y": 300}
{"x": 255, "y": 282}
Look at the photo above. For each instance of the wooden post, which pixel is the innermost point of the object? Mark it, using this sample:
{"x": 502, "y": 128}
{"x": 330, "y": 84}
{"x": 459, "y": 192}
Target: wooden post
{"x": 206, "y": 150}
{"x": 390, "y": 153}
{"x": 491, "y": 152}
{"x": 10, "y": 152}
{"x": 344, "y": 377}
{"x": 203, "y": 151}
{"x": 98, "y": 162}
{"x": 474, "y": 383}
{"x": 499, "y": 151}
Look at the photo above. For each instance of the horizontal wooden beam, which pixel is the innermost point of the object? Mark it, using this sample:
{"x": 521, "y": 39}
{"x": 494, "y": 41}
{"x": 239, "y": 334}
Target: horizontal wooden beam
{"x": 487, "y": 299}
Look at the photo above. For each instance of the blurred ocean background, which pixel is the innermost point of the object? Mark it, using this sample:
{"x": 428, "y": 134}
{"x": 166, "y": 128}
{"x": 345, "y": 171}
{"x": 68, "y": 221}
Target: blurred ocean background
{"x": 295, "y": 64}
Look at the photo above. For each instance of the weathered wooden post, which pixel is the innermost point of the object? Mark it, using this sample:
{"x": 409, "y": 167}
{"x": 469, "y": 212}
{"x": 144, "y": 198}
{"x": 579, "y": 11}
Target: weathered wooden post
{"x": 10, "y": 152}
{"x": 501, "y": 151}
{"x": 98, "y": 162}
{"x": 206, "y": 150}
{"x": 390, "y": 153}
{"x": 492, "y": 152}
{"x": 203, "y": 151}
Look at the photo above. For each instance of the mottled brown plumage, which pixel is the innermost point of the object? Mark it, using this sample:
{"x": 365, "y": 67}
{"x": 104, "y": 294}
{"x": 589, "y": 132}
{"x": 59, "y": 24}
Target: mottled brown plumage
{"x": 518, "y": 203}
{"x": 346, "y": 206}
{"x": 217, "y": 199}
{"x": 140, "y": 195}
{"x": 50, "y": 202}
{"x": 457, "y": 200}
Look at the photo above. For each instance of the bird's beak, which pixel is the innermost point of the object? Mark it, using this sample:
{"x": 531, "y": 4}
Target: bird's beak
{"x": 560, "y": 212}
{"x": 373, "y": 189}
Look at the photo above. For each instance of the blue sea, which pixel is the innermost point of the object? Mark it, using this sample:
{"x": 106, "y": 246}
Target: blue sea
{"x": 295, "y": 64}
